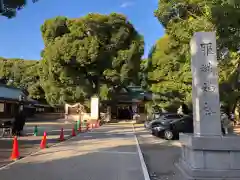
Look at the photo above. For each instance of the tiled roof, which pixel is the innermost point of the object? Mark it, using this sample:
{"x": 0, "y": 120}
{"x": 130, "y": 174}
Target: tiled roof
{"x": 8, "y": 92}
{"x": 136, "y": 92}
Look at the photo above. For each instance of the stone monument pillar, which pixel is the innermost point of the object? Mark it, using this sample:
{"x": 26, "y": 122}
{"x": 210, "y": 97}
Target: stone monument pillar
{"x": 206, "y": 154}
{"x": 205, "y": 94}
{"x": 94, "y": 108}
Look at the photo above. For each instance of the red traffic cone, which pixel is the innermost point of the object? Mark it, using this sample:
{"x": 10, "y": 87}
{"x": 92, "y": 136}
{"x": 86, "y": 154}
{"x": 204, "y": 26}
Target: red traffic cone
{"x": 73, "y": 132}
{"x": 43, "y": 144}
{"x": 15, "y": 151}
{"x": 61, "y": 138}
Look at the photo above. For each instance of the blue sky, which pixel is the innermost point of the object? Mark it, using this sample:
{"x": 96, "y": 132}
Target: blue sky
{"x": 21, "y": 37}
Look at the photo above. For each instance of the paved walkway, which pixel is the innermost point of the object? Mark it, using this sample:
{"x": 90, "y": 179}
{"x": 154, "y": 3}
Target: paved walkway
{"x": 29, "y": 144}
{"x": 107, "y": 153}
{"x": 160, "y": 155}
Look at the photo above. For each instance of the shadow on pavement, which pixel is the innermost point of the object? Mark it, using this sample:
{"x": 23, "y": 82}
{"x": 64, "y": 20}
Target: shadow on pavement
{"x": 160, "y": 155}
{"x": 72, "y": 164}
{"x": 28, "y": 144}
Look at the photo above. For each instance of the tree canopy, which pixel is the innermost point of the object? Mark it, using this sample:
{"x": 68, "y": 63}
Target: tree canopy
{"x": 9, "y": 8}
{"x": 169, "y": 75}
{"x": 95, "y": 54}
{"x": 22, "y": 74}
{"x": 100, "y": 54}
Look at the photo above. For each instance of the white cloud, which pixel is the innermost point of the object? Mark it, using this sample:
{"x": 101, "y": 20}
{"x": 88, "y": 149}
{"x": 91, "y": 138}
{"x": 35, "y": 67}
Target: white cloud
{"x": 126, "y": 4}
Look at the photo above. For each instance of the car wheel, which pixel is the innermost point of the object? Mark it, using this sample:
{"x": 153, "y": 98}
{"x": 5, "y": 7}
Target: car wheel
{"x": 168, "y": 135}
{"x": 152, "y": 133}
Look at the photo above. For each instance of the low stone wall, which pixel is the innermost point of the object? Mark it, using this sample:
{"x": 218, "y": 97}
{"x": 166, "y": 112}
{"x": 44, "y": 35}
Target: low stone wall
{"x": 76, "y": 117}
{"x": 46, "y": 117}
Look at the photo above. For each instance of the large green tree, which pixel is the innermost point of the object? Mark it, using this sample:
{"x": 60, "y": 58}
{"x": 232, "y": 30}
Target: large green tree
{"x": 95, "y": 54}
{"x": 169, "y": 76}
{"x": 22, "y": 74}
{"x": 143, "y": 74}
{"x": 181, "y": 18}
{"x": 9, "y": 8}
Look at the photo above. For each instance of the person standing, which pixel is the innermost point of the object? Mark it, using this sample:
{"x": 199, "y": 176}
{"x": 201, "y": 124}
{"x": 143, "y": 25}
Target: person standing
{"x": 232, "y": 118}
{"x": 224, "y": 123}
{"x": 183, "y": 109}
{"x": 19, "y": 122}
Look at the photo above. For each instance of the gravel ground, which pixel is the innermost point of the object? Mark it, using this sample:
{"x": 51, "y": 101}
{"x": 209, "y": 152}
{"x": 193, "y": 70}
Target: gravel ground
{"x": 159, "y": 155}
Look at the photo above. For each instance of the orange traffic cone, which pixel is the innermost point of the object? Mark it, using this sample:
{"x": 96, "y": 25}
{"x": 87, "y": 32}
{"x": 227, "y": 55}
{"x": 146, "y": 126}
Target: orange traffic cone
{"x": 43, "y": 144}
{"x": 73, "y": 132}
{"x": 61, "y": 138}
{"x": 92, "y": 125}
{"x": 15, "y": 151}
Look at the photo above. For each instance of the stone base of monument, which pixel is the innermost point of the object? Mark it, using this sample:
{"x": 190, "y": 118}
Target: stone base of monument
{"x": 210, "y": 158}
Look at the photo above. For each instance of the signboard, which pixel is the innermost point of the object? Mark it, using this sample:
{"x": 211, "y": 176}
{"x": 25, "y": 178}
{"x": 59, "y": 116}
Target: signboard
{"x": 94, "y": 107}
{"x": 1, "y": 107}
